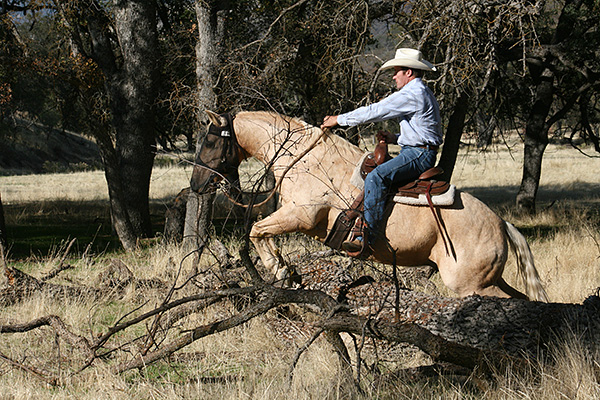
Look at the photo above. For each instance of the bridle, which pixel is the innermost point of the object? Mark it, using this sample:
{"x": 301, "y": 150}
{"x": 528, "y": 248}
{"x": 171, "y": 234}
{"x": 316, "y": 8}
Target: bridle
{"x": 232, "y": 153}
{"x": 231, "y": 150}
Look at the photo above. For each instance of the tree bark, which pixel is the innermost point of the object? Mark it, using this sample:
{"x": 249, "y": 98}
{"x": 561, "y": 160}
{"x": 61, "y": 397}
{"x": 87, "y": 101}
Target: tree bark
{"x": 124, "y": 45}
{"x": 536, "y": 140}
{"x": 462, "y": 331}
{"x": 197, "y": 220}
{"x": 511, "y": 326}
{"x": 454, "y": 132}
{"x": 133, "y": 107}
{"x": 199, "y": 207}
{"x": 118, "y": 211}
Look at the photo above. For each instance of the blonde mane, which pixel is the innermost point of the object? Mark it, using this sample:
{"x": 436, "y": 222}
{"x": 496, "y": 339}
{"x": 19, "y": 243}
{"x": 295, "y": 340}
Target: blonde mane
{"x": 342, "y": 146}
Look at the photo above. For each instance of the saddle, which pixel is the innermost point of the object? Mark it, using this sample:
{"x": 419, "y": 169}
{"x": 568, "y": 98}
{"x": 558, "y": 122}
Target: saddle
{"x": 377, "y": 157}
{"x": 350, "y": 224}
{"x": 425, "y": 184}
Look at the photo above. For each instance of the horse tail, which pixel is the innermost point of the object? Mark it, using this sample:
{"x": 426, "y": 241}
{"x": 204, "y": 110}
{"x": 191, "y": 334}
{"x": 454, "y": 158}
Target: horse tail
{"x": 533, "y": 285}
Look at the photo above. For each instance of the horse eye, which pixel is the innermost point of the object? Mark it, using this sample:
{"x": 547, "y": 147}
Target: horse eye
{"x": 209, "y": 144}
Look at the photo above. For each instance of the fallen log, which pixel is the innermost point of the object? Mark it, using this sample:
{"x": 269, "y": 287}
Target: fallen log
{"x": 16, "y": 285}
{"x": 470, "y": 332}
{"x": 462, "y": 331}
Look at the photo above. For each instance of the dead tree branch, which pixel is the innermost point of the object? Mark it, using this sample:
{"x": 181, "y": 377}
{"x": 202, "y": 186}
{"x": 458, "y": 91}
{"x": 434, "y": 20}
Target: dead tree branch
{"x": 30, "y": 370}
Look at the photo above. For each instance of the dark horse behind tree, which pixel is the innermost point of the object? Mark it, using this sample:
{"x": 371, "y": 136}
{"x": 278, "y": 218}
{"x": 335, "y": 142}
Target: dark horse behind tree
{"x": 313, "y": 168}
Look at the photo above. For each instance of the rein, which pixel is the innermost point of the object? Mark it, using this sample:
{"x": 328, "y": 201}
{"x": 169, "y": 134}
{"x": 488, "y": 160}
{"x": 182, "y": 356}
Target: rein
{"x": 280, "y": 181}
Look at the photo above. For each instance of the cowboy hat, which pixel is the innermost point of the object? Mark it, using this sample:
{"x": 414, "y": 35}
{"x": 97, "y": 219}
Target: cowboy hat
{"x": 409, "y": 58}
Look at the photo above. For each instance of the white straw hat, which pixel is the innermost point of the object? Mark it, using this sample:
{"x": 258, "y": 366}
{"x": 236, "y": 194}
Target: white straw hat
{"x": 409, "y": 58}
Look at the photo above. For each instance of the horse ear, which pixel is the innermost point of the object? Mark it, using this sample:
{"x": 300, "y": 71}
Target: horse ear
{"x": 216, "y": 119}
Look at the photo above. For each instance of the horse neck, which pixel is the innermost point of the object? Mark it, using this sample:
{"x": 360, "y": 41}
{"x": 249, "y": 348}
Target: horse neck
{"x": 280, "y": 140}
{"x": 264, "y": 135}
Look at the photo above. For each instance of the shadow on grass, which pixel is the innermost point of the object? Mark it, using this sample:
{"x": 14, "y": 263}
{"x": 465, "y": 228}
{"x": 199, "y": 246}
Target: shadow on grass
{"x": 578, "y": 198}
{"x": 42, "y": 228}
{"x": 39, "y": 229}
{"x": 585, "y": 194}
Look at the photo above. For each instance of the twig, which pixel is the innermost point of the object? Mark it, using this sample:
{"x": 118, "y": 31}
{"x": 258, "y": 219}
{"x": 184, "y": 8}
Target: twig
{"x": 201, "y": 296}
{"x": 198, "y": 333}
{"x": 33, "y": 371}
{"x": 59, "y": 327}
{"x": 300, "y": 351}
{"x": 310, "y": 341}
{"x": 61, "y": 265}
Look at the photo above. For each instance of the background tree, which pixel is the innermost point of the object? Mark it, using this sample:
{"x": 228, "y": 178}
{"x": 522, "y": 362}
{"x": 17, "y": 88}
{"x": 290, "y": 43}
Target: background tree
{"x": 207, "y": 50}
{"x": 563, "y": 79}
{"x": 509, "y": 65}
{"x": 300, "y": 58}
{"x": 123, "y": 46}
{"x": 501, "y": 64}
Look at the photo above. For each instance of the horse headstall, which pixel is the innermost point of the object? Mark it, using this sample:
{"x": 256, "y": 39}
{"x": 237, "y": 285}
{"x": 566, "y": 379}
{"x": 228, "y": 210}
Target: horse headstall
{"x": 229, "y": 158}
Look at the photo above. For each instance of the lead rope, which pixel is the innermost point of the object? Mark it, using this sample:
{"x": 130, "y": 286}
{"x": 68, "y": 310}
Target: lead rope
{"x": 280, "y": 181}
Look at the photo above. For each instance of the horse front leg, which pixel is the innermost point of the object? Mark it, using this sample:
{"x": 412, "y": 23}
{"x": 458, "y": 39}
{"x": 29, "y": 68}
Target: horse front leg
{"x": 285, "y": 220}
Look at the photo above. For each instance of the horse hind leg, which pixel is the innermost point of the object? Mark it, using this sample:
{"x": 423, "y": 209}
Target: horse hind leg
{"x": 501, "y": 289}
{"x": 511, "y": 291}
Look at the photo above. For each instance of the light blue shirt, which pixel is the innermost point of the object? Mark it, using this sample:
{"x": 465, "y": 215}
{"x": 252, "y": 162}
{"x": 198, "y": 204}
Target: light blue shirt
{"x": 415, "y": 108}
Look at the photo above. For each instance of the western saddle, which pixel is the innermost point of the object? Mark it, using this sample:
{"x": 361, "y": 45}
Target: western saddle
{"x": 349, "y": 224}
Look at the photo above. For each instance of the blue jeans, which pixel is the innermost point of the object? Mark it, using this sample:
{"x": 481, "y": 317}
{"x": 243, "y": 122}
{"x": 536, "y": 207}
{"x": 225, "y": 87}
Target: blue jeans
{"x": 405, "y": 167}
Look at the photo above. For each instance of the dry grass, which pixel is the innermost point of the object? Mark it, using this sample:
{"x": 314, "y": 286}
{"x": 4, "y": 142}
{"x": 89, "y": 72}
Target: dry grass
{"x": 86, "y": 186}
{"x": 252, "y": 361}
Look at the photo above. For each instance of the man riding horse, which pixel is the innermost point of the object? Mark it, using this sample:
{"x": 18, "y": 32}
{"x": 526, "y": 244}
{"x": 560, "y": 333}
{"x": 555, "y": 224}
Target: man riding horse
{"x": 417, "y": 111}
{"x": 313, "y": 171}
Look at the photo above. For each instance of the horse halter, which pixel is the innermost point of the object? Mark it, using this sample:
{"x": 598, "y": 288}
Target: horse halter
{"x": 231, "y": 152}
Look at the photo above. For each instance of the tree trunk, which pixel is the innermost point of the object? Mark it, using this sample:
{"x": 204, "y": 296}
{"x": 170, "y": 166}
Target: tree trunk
{"x": 199, "y": 207}
{"x": 175, "y": 218}
{"x": 209, "y": 32}
{"x": 543, "y": 70}
{"x": 536, "y": 140}
{"x": 454, "y": 132}
{"x": 133, "y": 108}
{"x": 463, "y": 331}
{"x": 197, "y": 220}
{"x": 124, "y": 45}
{"x": 118, "y": 212}
{"x": 3, "y": 238}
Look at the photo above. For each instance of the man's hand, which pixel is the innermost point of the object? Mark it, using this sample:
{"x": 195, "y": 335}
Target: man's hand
{"x": 387, "y": 137}
{"x": 329, "y": 121}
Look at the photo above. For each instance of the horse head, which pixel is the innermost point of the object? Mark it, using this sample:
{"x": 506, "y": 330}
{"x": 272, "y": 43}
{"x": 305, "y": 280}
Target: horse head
{"x": 218, "y": 156}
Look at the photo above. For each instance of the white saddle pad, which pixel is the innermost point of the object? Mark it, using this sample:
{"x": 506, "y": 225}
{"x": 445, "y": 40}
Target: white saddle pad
{"x": 444, "y": 199}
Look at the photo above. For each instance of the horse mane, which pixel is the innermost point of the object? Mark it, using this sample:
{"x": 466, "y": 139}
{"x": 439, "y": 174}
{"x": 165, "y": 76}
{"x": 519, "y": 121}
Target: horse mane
{"x": 342, "y": 146}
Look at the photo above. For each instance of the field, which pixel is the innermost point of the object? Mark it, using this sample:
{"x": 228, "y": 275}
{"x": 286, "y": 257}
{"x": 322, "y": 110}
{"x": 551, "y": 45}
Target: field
{"x": 44, "y": 212}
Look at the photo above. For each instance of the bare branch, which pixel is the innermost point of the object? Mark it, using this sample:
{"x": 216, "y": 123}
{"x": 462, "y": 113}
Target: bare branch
{"x": 31, "y": 370}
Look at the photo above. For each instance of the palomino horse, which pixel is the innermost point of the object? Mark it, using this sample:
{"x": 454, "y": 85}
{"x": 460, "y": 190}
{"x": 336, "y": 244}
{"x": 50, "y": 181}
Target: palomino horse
{"x": 312, "y": 169}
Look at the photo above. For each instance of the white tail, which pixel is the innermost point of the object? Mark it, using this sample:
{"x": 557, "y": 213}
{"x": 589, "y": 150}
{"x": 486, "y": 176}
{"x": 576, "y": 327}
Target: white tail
{"x": 533, "y": 285}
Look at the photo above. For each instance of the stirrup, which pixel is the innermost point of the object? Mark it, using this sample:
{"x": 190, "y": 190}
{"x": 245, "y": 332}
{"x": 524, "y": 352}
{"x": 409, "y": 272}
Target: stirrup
{"x": 361, "y": 249}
